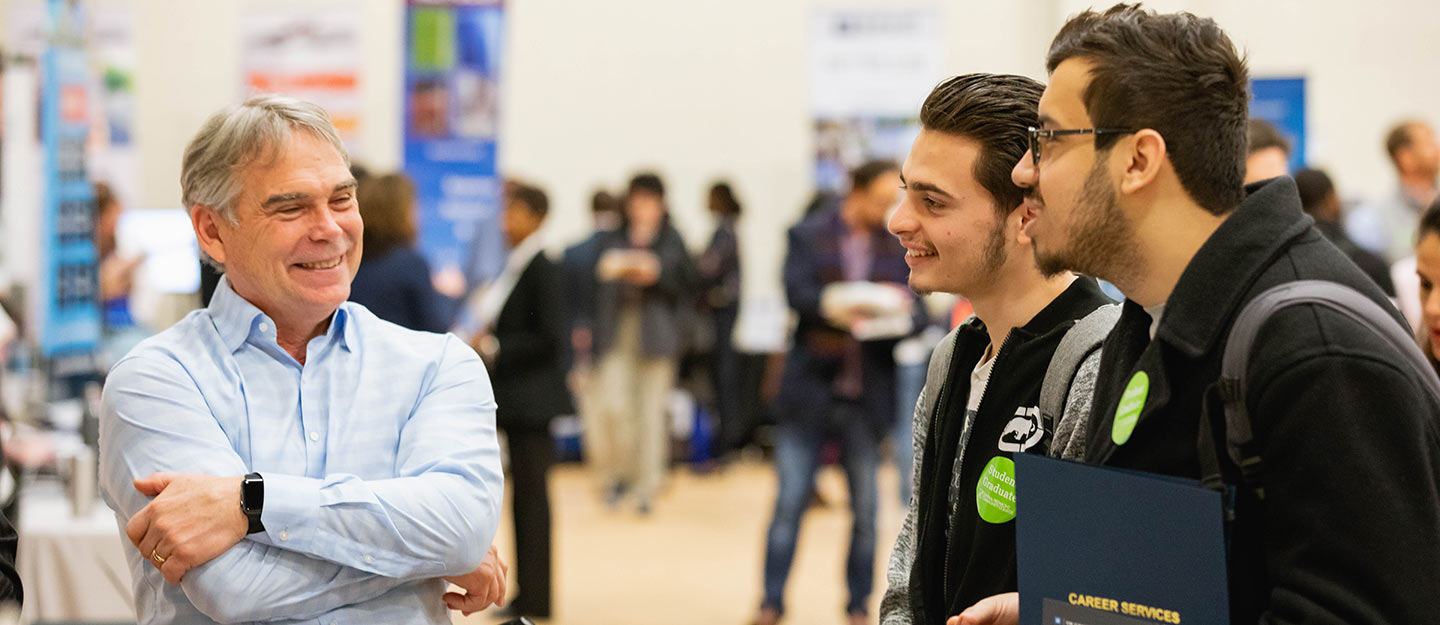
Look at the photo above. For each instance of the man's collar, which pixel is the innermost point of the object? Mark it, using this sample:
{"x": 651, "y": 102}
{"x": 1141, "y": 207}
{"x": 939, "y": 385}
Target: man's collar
{"x": 236, "y": 319}
{"x": 1217, "y": 279}
{"x": 1062, "y": 308}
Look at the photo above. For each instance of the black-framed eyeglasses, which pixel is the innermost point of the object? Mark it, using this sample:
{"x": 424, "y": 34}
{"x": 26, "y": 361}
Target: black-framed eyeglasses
{"x": 1037, "y": 134}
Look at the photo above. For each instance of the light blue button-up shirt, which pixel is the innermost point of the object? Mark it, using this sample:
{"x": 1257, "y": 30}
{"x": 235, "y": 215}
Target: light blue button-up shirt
{"x": 381, "y": 467}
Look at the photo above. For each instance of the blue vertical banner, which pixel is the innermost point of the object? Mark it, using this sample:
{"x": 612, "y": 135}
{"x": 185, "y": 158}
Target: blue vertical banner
{"x": 1281, "y": 101}
{"x": 68, "y": 315}
{"x": 452, "y": 87}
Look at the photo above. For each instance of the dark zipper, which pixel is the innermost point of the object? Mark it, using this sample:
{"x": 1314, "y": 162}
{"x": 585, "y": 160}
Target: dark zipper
{"x": 960, "y": 460}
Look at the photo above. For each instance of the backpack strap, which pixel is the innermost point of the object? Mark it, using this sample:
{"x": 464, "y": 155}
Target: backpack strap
{"x": 1233, "y": 382}
{"x": 1079, "y": 342}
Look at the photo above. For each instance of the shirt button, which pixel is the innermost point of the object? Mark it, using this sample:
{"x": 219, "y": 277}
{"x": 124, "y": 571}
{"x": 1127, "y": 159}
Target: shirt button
{"x": 314, "y": 436}
{"x": 369, "y": 559}
{"x": 284, "y": 535}
{"x": 264, "y": 327}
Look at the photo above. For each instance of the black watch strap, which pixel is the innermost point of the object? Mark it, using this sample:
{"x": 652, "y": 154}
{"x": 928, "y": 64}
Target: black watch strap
{"x": 252, "y": 501}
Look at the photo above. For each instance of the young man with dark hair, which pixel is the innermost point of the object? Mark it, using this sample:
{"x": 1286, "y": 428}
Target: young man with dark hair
{"x": 1135, "y": 173}
{"x": 962, "y": 223}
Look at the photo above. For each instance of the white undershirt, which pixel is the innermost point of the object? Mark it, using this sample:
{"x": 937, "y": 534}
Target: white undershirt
{"x": 1155, "y": 312}
{"x": 978, "y": 379}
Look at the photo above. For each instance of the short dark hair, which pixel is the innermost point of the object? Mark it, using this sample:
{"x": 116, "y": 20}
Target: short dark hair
{"x": 1314, "y": 186}
{"x": 532, "y": 198}
{"x": 648, "y": 182}
{"x": 862, "y": 176}
{"x": 993, "y": 110}
{"x": 1175, "y": 73}
{"x": 724, "y": 196}
{"x": 1429, "y": 221}
{"x": 1399, "y": 137}
{"x": 1263, "y": 135}
{"x": 603, "y": 202}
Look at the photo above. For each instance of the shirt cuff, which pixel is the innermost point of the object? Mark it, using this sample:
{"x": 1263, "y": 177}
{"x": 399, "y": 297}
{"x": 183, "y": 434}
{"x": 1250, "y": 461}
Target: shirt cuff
{"x": 292, "y": 509}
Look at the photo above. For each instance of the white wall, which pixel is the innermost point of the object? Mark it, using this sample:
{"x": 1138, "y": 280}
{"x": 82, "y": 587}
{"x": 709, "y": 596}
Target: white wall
{"x": 700, "y": 89}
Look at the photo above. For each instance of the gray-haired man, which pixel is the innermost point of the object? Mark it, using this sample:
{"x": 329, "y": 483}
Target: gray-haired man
{"x": 284, "y": 455}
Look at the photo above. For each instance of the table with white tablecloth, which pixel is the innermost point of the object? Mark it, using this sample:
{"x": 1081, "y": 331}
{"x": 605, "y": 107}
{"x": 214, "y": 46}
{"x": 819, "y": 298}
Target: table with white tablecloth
{"x": 73, "y": 567}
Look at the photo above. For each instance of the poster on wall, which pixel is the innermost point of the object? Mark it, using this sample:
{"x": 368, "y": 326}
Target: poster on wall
{"x": 65, "y": 306}
{"x": 869, "y": 70}
{"x": 112, "y": 157}
{"x": 1281, "y": 101}
{"x": 452, "y": 85}
{"x": 310, "y": 51}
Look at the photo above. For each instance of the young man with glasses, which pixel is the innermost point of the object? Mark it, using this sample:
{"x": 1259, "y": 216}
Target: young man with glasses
{"x": 962, "y": 223}
{"x": 1348, "y": 527}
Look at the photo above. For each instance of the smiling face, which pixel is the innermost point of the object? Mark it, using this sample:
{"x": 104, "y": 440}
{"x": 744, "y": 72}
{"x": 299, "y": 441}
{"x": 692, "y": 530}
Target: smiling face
{"x": 1077, "y": 222}
{"x": 953, "y": 235}
{"x": 1427, "y": 265}
{"x": 295, "y": 245}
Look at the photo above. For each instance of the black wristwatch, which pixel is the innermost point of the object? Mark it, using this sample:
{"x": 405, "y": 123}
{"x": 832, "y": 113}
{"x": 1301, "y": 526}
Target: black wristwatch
{"x": 252, "y": 500}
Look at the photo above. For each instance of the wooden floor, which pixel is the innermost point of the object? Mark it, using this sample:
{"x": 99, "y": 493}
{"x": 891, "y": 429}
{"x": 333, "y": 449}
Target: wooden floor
{"x": 697, "y": 558}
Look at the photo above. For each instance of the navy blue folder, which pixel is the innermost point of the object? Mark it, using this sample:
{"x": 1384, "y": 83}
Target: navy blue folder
{"x": 1104, "y": 546}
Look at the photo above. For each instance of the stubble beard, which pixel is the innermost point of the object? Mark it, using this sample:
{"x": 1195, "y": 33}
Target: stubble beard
{"x": 1101, "y": 242}
{"x": 992, "y": 259}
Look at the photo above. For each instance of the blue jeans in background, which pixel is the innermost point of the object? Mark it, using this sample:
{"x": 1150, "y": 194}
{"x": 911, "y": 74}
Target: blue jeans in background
{"x": 909, "y": 381}
{"x": 797, "y": 458}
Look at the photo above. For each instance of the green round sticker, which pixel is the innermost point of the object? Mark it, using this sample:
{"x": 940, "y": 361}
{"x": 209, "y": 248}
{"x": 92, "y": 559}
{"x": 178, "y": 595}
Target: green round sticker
{"x": 995, "y": 494}
{"x": 1131, "y": 403}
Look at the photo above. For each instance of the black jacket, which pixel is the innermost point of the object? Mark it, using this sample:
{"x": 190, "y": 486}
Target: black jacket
{"x": 664, "y": 306}
{"x": 979, "y": 558}
{"x": 813, "y": 261}
{"x": 1350, "y": 529}
{"x": 528, "y": 377}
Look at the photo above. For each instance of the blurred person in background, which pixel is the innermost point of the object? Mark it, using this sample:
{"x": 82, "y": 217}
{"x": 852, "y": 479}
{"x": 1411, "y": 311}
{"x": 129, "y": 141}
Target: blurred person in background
{"x": 1319, "y": 200}
{"x": 845, "y": 279}
{"x": 719, "y": 268}
{"x": 394, "y": 280}
{"x": 117, "y": 274}
{"x": 1427, "y": 267}
{"x": 1267, "y": 154}
{"x": 1387, "y": 227}
{"x": 362, "y": 455}
{"x": 579, "y": 264}
{"x": 645, "y": 277}
{"x": 519, "y": 330}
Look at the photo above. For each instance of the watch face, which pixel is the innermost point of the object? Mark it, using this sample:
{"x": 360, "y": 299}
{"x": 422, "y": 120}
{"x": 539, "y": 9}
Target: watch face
{"x": 252, "y": 493}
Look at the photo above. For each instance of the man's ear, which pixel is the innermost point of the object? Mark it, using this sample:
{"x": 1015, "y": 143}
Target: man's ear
{"x": 1145, "y": 159}
{"x": 207, "y": 231}
{"x": 1020, "y": 216}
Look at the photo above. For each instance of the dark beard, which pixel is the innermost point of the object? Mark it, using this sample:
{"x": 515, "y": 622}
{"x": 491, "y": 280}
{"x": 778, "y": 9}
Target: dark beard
{"x": 1102, "y": 243}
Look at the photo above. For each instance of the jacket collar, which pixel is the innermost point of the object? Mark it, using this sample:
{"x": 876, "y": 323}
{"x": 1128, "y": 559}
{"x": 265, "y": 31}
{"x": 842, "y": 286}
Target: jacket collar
{"x": 1216, "y": 281}
{"x": 1082, "y": 296}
